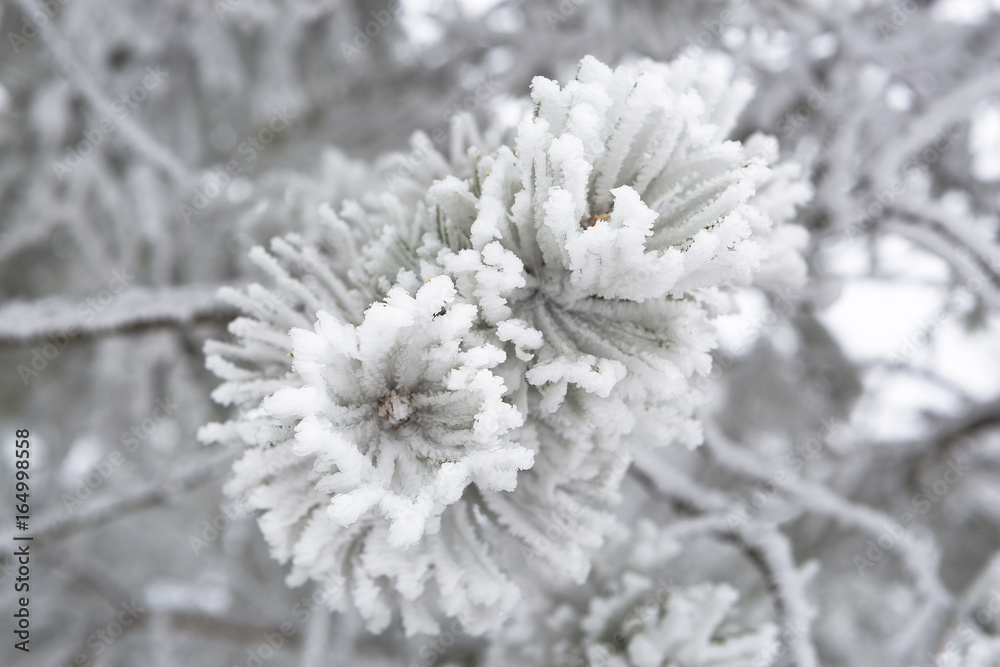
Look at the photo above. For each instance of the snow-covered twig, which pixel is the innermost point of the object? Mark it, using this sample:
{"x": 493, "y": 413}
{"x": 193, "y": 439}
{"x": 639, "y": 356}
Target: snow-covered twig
{"x": 59, "y": 524}
{"x": 945, "y": 111}
{"x": 765, "y": 546}
{"x": 968, "y": 267}
{"x": 135, "y": 309}
{"x": 139, "y": 138}
{"x": 822, "y": 500}
{"x": 773, "y": 553}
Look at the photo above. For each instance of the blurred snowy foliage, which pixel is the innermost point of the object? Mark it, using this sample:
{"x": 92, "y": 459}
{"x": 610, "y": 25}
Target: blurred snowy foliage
{"x": 843, "y": 507}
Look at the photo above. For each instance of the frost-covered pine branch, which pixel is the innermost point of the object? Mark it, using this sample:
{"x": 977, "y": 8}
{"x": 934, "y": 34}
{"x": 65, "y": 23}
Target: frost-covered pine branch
{"x": 487, "y": 359}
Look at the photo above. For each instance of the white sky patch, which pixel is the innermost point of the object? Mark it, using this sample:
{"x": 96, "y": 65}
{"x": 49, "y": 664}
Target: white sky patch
{"x": 477, "y": 8}
{"x": 968, "y": 12}
{"x": 874, "y": 319}
{"x": 897, "y": 257}
{"x": 899, "y": 97}
{"x": 971, "y": 359}
{"x": 419, "y": 22}
{"x": 900, "y": 258}
{"x": 752, "y": 315}
{"x": 420, "y": 17}
{"x": 984, "y": 141}
{"x": 904, "y": 319}
{"x": 510, "y": 111}
{"x": 734, "y": 37}
{"x": 846, "y": 259}
{"x": 498, "y": 60}
{"x": 4, "y": 99}
{"x": 823, "y": 45}
{"x": 898, "y": 405}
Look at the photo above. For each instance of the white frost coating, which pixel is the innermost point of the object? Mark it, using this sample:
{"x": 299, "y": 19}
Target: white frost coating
{"x": 637, "y": 619}
{"x": 400, "y": 412}
{"x": 491, "y": 346}
{"x": 118, "y": 308}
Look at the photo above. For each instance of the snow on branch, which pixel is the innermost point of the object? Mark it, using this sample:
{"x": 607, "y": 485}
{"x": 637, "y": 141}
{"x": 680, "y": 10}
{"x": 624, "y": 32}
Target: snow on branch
{"x": 60, "y": 524}
{"x": 921, "y": 559}
{"x": 143, "y": 142}
{"x": 765, "y": 546}
{"x": 115, "y": 310}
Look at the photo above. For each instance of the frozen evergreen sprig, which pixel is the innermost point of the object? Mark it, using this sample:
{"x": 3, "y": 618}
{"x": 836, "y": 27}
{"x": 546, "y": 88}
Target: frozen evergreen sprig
{"x": 468, "y": 360}
{"x": 634, "y": 616}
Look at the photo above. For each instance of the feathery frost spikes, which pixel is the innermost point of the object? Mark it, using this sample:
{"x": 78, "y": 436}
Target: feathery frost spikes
{"x": 684, "y": 629}
{"x": 466, "y": 362}
{"x": 636, "y": 619}
{"x": 641, "y": 627}
{"x": 400, "y": 413}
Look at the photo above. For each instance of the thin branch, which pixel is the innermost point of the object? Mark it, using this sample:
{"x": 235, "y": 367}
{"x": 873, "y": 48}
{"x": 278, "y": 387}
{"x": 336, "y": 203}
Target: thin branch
{"x": 942, "y": 113}
{"x": 924, "y": 373}
{"x": 823, "y": 501}
{"x": 59, "y": 524}
{"x": 764, "y": 546}
{"x": 920, "y": 559}
{"x": 967, "y": 268}
{"x": 975, "y": 593}
{"x": 980, "y": 418}
{"x": 772, "y": 553}
{"x": 932, "y": 214}
{"x": 58, "y": 320}
{"x": 143, "y": 142}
